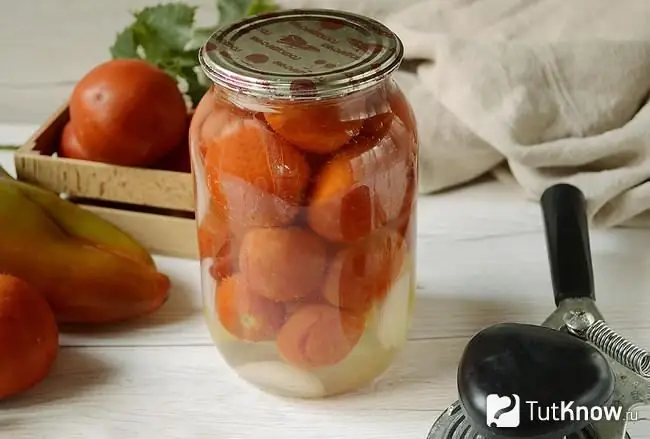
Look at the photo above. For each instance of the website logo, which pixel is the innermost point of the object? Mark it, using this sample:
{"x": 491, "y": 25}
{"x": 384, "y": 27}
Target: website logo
{"x": 505, "y": 412}
{"x": 502, "y": 411}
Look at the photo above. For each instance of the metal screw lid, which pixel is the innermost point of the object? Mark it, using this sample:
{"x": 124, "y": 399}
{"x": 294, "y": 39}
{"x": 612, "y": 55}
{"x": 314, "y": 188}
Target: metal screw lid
{"x": 301, "y": 54}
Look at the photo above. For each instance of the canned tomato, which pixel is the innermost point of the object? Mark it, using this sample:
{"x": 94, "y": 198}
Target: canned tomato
{"x": 304, "y": 155}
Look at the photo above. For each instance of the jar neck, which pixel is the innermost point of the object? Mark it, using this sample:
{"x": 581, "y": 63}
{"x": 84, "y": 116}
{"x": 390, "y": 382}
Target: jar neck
{"x": 376, "y": 92}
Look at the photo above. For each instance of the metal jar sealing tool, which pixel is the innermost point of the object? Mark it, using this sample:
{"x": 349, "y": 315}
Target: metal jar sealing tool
{"x": 572, "y": 377}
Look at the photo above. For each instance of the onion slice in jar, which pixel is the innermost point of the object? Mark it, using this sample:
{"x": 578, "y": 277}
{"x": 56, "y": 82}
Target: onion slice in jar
{"x": 202, "y": 197}
{"x": 282, "y": 378}
{"x": 393, "y": 314}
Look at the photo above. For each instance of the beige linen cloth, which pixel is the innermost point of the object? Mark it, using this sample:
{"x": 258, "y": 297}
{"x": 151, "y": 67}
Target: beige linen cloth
{"x": 535, "y": 91}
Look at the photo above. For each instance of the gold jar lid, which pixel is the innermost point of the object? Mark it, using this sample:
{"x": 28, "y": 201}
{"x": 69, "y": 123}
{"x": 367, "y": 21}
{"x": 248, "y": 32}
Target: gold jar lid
{"x": 304, "y": 54}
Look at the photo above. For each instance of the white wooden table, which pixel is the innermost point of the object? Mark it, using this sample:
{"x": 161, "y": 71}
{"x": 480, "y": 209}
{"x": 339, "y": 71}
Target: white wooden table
{"x": 481, "y": 260}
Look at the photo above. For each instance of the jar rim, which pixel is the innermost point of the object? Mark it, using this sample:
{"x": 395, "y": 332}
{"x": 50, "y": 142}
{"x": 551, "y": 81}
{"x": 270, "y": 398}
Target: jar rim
{"x": 301, "y": 54}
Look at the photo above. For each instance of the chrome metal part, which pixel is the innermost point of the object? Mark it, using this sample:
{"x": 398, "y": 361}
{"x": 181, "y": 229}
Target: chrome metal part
{"x": 568, "y": 307}
{"x": 632, "y": 390}
{"x": 618, "y": 347}
{"x": 452, "y": 424}
{"x": 579, "y": 321}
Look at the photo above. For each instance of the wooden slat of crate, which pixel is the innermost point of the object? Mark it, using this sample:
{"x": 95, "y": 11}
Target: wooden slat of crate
{"x": 160, "y": 234}
{"x": 78, "y": 178}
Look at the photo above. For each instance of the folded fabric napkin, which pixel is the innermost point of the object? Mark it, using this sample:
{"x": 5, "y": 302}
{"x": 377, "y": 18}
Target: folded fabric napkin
{"x": 535, "y": 91}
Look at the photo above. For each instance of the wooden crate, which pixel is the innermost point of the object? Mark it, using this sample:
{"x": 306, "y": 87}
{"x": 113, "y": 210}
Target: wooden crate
{"x": 156, "y": 207}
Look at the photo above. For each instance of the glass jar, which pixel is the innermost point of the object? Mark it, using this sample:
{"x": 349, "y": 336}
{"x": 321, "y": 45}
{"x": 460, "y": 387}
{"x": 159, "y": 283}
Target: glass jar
{"x": 304, "y": 156}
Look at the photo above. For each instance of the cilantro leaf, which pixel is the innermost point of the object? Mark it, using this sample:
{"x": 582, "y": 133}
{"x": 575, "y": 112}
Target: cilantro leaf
{"x": 261, "y": 7}
{"x": 184, "y": 67}
{"x": 169, "y": 24}
{"x": 200, "y": 36}
{"x": 125, "y": 45}
{"x": 233, "y": 10}
{"x": 165, "y": 36}
{"x": 195, "y": 89}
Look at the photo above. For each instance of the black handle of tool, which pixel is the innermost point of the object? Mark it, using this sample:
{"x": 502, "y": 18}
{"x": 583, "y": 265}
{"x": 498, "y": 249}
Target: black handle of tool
{"x": 567, "y": 241}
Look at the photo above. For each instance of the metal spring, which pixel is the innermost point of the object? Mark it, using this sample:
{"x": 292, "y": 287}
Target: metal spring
{"x": 616, "y": 346}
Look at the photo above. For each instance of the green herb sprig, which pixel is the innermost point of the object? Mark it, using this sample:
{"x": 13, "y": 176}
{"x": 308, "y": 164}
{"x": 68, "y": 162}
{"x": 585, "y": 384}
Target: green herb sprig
{"x": 166, "y": 35}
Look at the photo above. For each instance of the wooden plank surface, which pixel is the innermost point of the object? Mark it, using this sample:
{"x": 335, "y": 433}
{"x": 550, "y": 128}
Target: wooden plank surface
{"x": 463, "y": 286}
{"x": 481, "y": 260}
{"x": 147, "y": 393}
